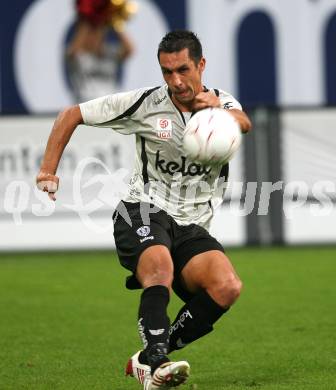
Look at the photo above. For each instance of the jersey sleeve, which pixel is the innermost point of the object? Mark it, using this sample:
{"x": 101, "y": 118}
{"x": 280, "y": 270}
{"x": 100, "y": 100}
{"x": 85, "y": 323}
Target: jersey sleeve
{"x": 228, "y": 101}
{"x": 118, "y": 111}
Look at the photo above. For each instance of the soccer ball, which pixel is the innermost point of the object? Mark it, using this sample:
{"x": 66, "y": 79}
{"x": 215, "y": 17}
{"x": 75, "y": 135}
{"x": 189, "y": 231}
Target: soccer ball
{"x": 212, "y": 136}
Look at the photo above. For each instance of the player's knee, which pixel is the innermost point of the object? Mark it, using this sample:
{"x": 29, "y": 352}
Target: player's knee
{"x": 226, "y": 292}
{"x": 235, "y": 288}
{"x": 160, "y": 272}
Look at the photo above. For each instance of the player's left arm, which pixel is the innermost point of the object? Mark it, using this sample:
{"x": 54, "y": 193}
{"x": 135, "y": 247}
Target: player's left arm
{"x": 208, "y": 99}
{"x": 242, "y": 118}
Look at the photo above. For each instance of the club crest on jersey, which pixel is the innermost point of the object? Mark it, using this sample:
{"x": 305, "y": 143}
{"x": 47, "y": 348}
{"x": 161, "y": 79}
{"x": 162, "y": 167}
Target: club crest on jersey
{"x": 164, "y": 128}
{"x": 143, "y": 231}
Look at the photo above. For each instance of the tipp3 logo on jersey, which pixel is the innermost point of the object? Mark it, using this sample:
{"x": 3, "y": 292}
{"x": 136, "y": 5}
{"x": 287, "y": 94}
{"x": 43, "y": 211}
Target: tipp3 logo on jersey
{"x": 164, "y": 128}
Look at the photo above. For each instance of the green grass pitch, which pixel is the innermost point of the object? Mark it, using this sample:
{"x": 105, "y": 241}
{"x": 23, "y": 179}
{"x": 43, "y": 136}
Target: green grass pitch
{"x": 67, "y": 322}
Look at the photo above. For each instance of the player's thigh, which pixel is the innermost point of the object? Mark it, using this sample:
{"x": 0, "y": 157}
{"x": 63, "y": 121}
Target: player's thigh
{"x": 207, "y": 270}
{"x": 133, "y": 238}
{"x": 189, "y": 242}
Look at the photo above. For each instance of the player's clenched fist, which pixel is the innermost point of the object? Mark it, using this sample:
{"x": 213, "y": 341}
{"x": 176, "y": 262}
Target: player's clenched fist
{"x": 47, "y": 182}
{"x": 204, "y": 100}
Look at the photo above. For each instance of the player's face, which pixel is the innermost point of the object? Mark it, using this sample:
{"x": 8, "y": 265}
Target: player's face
{"x": 182, "y": 75}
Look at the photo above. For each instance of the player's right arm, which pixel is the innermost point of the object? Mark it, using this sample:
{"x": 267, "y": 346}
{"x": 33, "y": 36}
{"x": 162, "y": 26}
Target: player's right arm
{"x": 118, "y": 112}
{"x": 64, "y": 126}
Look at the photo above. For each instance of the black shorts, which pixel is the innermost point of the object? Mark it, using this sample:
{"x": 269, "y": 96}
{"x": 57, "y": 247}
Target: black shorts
{"x": 135, "y": 231}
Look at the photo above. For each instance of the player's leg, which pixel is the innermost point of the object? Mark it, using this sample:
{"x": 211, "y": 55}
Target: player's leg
{"x": 155, "y": 274}
{"x": 205, "y": 279}
{"x": 213, "y": 272}
{"x": 216, "y": 286}
{"x": 144, "y": 249}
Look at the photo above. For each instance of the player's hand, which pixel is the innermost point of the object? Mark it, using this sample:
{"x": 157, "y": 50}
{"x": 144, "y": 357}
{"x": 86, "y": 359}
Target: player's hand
{"x": 204, "y": 100}
{"x": 47, "y": 182}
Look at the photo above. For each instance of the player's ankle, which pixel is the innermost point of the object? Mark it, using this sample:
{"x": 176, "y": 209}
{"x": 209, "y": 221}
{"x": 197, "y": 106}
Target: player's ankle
{"x": 156, "y": 355}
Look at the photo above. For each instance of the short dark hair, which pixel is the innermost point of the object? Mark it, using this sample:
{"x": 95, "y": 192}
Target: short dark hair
{"x": 181, "y": 39}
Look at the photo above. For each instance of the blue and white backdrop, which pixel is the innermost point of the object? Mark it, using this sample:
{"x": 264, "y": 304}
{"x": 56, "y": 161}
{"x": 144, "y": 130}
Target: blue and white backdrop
{"x": 263, "y": 51}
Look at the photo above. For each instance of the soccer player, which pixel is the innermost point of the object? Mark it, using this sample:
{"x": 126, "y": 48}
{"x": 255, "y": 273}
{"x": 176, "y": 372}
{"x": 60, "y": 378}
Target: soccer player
{"x": 159, "y": 237}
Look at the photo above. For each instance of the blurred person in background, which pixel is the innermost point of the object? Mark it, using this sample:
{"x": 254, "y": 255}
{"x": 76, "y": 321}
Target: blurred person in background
{"x": 98, "y": 47}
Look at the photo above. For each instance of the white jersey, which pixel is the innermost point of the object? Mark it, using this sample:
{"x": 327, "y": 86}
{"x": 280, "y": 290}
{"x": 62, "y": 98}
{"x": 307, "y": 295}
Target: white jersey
{"x": 163, "y": 175}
